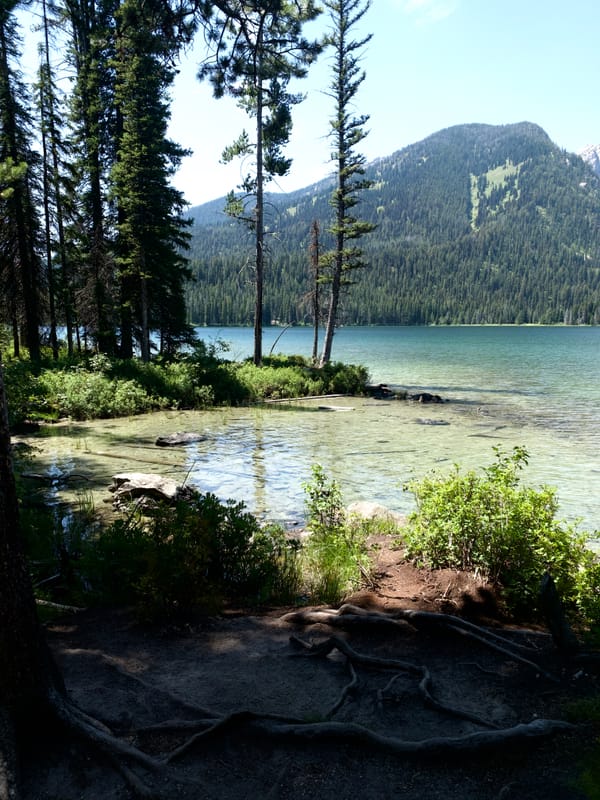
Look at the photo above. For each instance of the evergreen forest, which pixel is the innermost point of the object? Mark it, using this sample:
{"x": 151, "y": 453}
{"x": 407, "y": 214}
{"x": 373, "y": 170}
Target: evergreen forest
{"x": 477, "y": 224}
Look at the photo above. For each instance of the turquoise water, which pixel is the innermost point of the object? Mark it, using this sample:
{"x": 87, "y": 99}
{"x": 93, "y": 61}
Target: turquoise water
{"x": 538, "y": 386}
{"x": 506, "y": 386}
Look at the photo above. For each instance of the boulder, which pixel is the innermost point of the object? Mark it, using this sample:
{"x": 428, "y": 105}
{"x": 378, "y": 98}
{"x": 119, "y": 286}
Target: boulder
{"x": 366, "y": 509}
{"x": 131, "y": 485}
{"x": 425, "y": 397}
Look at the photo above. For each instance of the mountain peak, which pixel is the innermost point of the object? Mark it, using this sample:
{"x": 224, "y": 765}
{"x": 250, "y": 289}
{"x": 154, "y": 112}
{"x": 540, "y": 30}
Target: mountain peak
{"x": 591, "y": 155}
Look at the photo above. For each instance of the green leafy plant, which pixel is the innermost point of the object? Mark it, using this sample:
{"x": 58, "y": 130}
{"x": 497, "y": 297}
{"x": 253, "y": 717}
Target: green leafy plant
{"x": 587, "y": 710}
{"x": 490, "y": 523}
{"x": 191, "y": 556}
{"x": 335, "y": 553}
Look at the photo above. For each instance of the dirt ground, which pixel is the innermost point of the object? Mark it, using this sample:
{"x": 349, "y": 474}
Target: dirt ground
{"x": 132, "y": 677}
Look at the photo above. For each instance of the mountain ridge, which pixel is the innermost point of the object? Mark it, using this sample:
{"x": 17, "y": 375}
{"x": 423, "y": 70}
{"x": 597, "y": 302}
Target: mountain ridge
{"x": 475, "y": 223}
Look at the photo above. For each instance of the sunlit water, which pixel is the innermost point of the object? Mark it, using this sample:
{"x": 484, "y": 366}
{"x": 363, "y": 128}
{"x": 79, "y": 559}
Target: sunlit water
{"x": 507, "y": 386}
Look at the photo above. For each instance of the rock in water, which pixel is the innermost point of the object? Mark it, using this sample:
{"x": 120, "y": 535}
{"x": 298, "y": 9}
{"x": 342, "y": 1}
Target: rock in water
{"x": 174, "y": 439}
{"x": 131, "y": 485}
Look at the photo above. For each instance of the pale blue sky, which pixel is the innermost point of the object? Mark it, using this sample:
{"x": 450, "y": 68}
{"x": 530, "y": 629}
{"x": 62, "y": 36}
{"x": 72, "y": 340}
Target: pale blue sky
{"x": 430, "y": 64}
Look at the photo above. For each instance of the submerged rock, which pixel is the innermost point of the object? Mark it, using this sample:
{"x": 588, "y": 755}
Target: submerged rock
{"x": 425, "y": 397}
{"x": 174, "y": 439}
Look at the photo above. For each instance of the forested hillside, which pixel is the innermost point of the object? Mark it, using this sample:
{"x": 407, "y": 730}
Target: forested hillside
{"x": 476, "y": 224}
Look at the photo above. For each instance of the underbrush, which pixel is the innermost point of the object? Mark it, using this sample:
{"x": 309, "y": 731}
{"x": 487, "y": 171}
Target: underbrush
{"x": 491, "y": 524}
{"x": 96, "y": 386}
{"x": 335, "y": 555}
{"x": 190, "y": 557}
{"x": 193, "y": 556}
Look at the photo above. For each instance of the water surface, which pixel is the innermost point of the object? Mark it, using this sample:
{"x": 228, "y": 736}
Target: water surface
{"x": 506, "y": 386}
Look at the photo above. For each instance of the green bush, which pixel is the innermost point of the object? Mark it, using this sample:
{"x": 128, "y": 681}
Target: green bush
{"x": 82, "y": 395}
{"x": 191, "y": 556}
{"x": 490, "y": 523}
{"x": 335, "y": 553}
{"x": 295, "y": 376}
{"x": 23, "y": 392}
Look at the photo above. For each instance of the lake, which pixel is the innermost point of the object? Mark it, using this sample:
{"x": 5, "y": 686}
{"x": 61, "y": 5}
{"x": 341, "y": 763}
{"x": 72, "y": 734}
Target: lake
{"x": 533, "y": 386}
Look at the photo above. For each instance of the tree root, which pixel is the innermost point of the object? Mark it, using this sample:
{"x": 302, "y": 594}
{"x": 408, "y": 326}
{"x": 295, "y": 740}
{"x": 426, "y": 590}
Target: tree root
{"x": 335, "y": 643}
{"x": 205, "y": 725}
{"x": 350, "y": 616}
{"x": 78, "y": 722}
{"x": 352, "y": 733}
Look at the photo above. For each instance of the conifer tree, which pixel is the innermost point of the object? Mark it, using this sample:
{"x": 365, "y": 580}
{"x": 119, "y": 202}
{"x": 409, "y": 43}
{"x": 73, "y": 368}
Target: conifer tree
{"x": 258, "y": 49}
{"x": 20, "y": 268}
{"x": 346, "y": 131}
{"x": 90, "y": 53}
{"x": 151, "y": 229}
{"x": 56, "y": 187}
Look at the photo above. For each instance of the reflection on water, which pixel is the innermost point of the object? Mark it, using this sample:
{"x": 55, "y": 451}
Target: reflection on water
{"x": 536, "y": 387}
{"x": 262, "y": 456}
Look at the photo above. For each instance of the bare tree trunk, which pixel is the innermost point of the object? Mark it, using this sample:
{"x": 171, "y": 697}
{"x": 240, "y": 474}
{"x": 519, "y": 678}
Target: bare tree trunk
{"x": 27, "y": 671}
{"x": 260, "y": 229}
{"x": 316, "y": 304}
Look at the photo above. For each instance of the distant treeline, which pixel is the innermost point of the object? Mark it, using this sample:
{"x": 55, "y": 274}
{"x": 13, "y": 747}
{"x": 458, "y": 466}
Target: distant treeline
{"x": 476, "y": 224}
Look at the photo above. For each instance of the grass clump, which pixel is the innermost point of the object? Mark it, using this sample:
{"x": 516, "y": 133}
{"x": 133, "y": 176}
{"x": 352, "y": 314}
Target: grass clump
{"x": 335, "y": 554}
{"x": 509, "y": 533}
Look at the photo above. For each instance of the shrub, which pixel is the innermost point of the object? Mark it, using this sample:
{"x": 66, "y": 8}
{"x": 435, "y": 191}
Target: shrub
{"x": 23, "y": 392}
{"x": 191, "y": 556}
{"x": 82, "y": 395}
{"x": 335, "y": 553}
{"x": 295, "y": 376}
{"x": 489, "y": 523}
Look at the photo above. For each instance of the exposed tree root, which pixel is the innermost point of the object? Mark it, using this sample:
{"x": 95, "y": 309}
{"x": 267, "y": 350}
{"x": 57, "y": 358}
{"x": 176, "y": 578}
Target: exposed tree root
{"x": 143, "y": 772}
{"x": 335, "y": 643}
{"x": 349, "y": 617}
{"x": 116, "y": 750}
{"x": 352, "y": 733}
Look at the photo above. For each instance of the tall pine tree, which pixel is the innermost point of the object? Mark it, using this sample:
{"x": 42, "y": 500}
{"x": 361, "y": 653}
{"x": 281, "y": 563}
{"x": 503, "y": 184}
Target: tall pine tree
{"x": 151, "y": 230}
{"x": 20, "y": 267}
{"x": 258, "y": 49}
{"x": 346, "y": 132}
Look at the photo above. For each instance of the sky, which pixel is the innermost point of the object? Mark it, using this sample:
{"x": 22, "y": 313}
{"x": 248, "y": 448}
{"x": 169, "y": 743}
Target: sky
{"x": 430, "y": 64}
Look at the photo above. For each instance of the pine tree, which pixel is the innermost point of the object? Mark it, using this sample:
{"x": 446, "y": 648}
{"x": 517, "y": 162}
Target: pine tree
{"x": 346, "y": 131}
{"x": 259, "y": 48}
{"x": 20, "y": 268}
{"x": 90, "y": 53}
{"x": 151, "y": 229}
{"x": 56, "y": 187}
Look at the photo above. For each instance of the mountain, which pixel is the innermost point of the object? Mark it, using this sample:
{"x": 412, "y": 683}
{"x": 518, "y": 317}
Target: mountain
{"x": 475, "y": 224}
{"x": 591, "y": 155}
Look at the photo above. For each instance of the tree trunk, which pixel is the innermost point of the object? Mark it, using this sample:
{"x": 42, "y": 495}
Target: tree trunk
{"x": 27, "y": 671}
{"x": 260, "y": 229}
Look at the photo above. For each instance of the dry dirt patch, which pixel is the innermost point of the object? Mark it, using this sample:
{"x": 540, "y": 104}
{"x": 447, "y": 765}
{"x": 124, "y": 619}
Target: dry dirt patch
{"x": 133, "y": 677}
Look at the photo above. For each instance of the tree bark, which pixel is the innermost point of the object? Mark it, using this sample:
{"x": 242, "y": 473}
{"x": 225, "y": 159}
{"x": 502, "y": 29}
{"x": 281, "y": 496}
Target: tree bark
{"x": 27, "y": 670}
